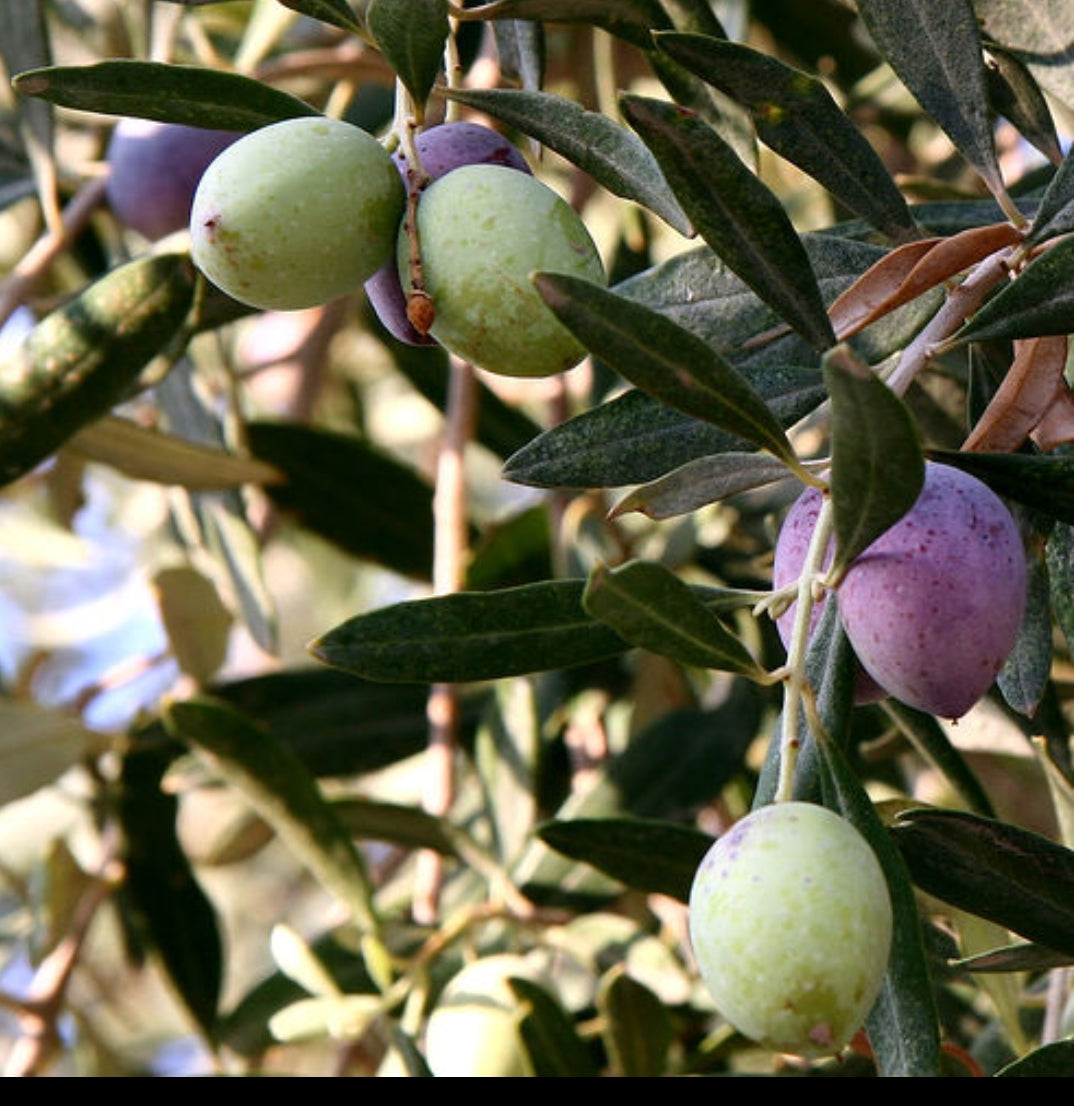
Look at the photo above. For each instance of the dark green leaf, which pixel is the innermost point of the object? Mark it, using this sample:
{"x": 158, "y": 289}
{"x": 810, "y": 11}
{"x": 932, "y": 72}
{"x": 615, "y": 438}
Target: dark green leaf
{"x": 1012, "y": 876}
{"x": 85, "y": 357}
{"x": 1059, "y": 558}
{"x": 612, "y": 155}
{"x": 701, "y": 482}
{"x": 555, "y": 1048}
{"x": 521, "y": 50}
{"x": 469, "y": 636}
{"x": 935, "y": 49}
{"x": 350, "y": 493}
{"x": 337, "y": 13}
{"x": 1041, "y": 33}
{"x": 173, "y": 914}
{"x": 279, "y": 787}
{"x": 649, "y": 606}
{"x": 189, "y": 94}
{"x": 637, "y": 1027}
{"x": 1015, "y": 94}
{"x": 1039, "y": 302}
{"x": 795, "y": 115}
{"x": 1055, "y": 215}
{"x": 878, "y": 467}
{"x": 663, "y": 359}
{"x": 634, "y": 438}
{"x": 631, "y": 20}
{"x": 1024, "y": 676}
{"x": 1051, "y": 1060}
{"x": 648, "y": 854}
{"x": 903, "y": 1025}
{"x": 736, "y": 214}
{"x": 412, "y": 35}
{"x": 1042, "y": 482}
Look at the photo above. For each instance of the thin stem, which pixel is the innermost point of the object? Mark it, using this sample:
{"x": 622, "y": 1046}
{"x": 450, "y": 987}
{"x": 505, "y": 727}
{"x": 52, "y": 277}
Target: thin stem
{"x": 793, "y": 688}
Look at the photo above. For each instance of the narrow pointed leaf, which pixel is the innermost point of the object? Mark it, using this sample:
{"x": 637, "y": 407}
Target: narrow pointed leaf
{"x": 699, "y": 483}
{"x": 637, "y": 1026}
{"x": 795, "y": 115}
{"x": 1040, "y": 33}
{"x": 195, "y": 95}
{"x": 736, "y": 214}
{"x": 469, "y": 636}
{"x": 663, "y": 359}
{"x": 411, "y": 34}
{"x": 649, "y": 606}
{"x": 1039, "y": 302}
{"x": 276, "y": 783}
{"x": 936, "y": 51}
{"x": 1015, "y": 94}
{"x": 878, "y": 466}
{"x": 1044, "y": 483}
{"x": 648, "y": 854}
{"x": 554, "y": 1046}
{"x": 337, "y": 13}
{"x": 1055, "y": 215}
{"x": 631, "y": 20}
{"x": 1012, "y": 876}
{"x": 903, "y": 1025}
{"x": 612, "y": 155}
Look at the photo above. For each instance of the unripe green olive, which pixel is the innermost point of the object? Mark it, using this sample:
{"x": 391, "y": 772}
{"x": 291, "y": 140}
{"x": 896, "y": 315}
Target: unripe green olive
{"x": 791, "y": 925}
{"x": 484, "y": 230}
{"x": 296, "y": 213}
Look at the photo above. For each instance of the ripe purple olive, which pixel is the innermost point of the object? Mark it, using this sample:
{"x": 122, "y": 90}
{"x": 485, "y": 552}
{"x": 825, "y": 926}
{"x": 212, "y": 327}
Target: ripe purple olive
{"x": 154, "y": 169}
{"x": 934, "y": 606}
{"x": 441, "y": 149}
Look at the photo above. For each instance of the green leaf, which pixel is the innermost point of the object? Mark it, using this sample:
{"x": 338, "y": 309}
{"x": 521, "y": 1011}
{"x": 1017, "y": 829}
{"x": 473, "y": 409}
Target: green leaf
{"x": 1042, "y": 482}
{"x": 280, "y": 788}
{"x": 1040, "y": 33}
{"x": 412, "y": 35}
{"x": 351, "y": 493}
{"x": 903, "y": 1025}
{"x": 1015, "y": 94}
{"x": 878, "y": 466}
{"x": 337, "y": 13}
{"x": 1055, "y": 1059}
{"x": 1055, "y": 215}
{"x": 195, "y": 95}
{"x": 1012, "y": 876}
{"x": 1038, "y": 302}
{"x": 555, "y": 1048}
{"x": 1023, "y": 679}
{"x": 634, "y": 438}
{"x": 663, "y": 359}
{"x": 171, "y": 911}
{"x": 795, "y": 115}
{"x": 631, "y": 20}
{"x": 469, "y": 636}
{"x": 736, "y": 214}
{"x": 612, "y": 155}
{"x": 85, "y": 357}
{"x": 651, "y": 855}
{"x": 703, "y": 481}
{"x": 649, "y": 606}
{"x": 936, "y": 51}
{"x": 636, "y": 1026}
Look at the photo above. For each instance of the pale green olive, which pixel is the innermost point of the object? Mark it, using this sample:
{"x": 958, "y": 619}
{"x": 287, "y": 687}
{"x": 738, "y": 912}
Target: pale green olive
{"x": 483, "y": 231}
{"x": 296, "y": 213}
{"x": 791, "y": 925}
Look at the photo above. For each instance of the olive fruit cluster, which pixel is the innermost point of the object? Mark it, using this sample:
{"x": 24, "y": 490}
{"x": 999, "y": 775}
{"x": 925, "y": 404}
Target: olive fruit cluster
{"x": 299, "y": 212}
{"x": 934, "y": 606}
{"x": 791, "y": 924}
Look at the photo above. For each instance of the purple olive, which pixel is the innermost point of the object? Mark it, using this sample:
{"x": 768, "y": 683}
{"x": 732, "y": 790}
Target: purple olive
{"x": 441, "y": 149}
{"x": 154, "y": 170}
{"x": 934, "y": 606}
